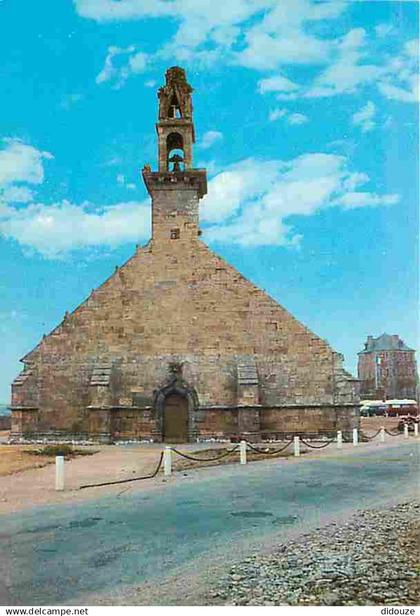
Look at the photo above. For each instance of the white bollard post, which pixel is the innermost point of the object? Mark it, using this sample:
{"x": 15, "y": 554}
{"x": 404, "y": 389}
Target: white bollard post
{"x": 405, "y": 430}
{"x": 167, "y": 461}
{"x": 382, "y": 435}
{"x": 355, "y": 437}
{"x": 416, "y": 429}
{"x": 296, "y": 446}
{"x": 242, "y": 452}
{"x": 339, "y": 440}
{"x": 59, "y": 473}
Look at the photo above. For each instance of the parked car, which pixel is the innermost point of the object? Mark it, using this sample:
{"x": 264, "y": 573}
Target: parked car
{"x": 401, "y": 408}
{"x": 372, "y": 411}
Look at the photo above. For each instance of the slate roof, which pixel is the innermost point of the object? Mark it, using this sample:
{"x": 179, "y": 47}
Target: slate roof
{"x": 385, "y": 342}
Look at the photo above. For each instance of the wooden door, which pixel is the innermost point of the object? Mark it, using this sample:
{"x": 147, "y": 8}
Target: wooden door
{"x": 175, "y": 419}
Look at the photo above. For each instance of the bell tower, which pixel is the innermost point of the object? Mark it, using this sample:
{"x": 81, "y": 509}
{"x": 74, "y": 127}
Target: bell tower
{"x": 175, "y": 127}
{"x": 176, "y": 187}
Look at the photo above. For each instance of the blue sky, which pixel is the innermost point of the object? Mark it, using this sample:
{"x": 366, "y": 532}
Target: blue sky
{"x": 306, "y": 117}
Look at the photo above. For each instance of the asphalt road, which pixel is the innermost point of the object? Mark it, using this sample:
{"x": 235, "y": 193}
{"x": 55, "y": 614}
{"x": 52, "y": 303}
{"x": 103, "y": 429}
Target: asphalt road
{"x": 60, "y": 554}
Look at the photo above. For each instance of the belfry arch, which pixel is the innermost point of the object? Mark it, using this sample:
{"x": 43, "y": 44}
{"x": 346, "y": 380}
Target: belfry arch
{"x": 175, "y": 154}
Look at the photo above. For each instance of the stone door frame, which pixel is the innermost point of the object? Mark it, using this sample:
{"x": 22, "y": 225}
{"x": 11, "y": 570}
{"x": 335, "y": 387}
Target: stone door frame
{"x": 180, "y": 387}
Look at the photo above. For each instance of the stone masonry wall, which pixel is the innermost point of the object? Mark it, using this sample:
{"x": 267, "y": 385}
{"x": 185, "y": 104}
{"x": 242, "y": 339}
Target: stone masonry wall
{"x": 175, "y": 300}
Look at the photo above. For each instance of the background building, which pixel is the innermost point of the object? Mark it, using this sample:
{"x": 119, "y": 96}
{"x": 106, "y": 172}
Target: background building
{"x": 387, "y": 369}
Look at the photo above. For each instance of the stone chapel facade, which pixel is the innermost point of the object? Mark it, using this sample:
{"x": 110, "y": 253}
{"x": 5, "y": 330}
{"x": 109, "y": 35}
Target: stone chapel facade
{"x": 177, "y": 345}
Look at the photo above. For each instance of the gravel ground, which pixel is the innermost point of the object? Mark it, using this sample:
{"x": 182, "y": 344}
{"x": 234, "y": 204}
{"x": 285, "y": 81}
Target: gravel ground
{"x": 373, "y": 559}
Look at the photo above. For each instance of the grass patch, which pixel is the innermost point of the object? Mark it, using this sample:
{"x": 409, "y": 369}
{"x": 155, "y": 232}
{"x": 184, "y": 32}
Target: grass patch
{"x": 51, "y": 451}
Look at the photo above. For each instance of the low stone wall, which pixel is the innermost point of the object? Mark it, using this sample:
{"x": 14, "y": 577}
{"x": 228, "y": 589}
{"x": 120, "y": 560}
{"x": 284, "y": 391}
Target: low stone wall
{"x": 309, "y": 419}
{"x": 218, "y": 422}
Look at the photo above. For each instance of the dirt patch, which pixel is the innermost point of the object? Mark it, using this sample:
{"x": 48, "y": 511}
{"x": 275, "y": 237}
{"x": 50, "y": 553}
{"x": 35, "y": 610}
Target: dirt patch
{"x": 14, "y": 458}
{"x": 181, "y": 463}
{"x": 371, "y": 424}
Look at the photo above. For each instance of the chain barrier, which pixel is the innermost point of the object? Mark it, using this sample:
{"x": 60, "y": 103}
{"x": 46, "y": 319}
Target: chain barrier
{"x": 370, "y": 438}
{"x": 270, "y": 453}
{"x": 223, "y": 455}
{"x": 281, "y": 436}
{"x": 317, "y": 446}
{"x": 111, "y": 483}
{"x": 229, "y": 452}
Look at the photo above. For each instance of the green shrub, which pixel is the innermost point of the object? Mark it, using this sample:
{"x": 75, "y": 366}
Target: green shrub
{"x": 60, "y": 450}
{"x": 55, "y": 450}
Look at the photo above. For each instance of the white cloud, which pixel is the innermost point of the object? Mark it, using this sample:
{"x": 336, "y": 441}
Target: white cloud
{"x": 397, "y": 93}
{"x": 211, "y": 166}
{"x": 277, "y": 83}
{"x": 383, "y": 29}
{"x": 206, "y": 34}
{"x": 21, "y": 168}
{"x": 210, "y": 138}
{"x": 233, "y": 187}
{"x": 122, "y": 181}
{"x": 282, "y": 36}
{"x": 200, "y": 22}
{"x": 16, "y": 194}
{"x": 111, "y": 10}
{"x": 241, "y": 209}
{"x": 60, "y": 227}
{"x": 297, "y": 118}
{"x": 362, "y": 199}
{"x": 20, "y": 162}
{"x": 269, "y": 50}
{"x": 120, "y": 64}
{"x": 138, "y": 62}
{"x": 401, "y": 78}
{"x": 56, "y": 229}
{"x": 276, "y": 114}
{"x": 349, "y": 70}
{"x": 263, "y": 35}
{"x": 346, "y": 73}
{"x": 411, "y": 48}
{"x": 291, "y": 118}
{"x": 364, "y": 117}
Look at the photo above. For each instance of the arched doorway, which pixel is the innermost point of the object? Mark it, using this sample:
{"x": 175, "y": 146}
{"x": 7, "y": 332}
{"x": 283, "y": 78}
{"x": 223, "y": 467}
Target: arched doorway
{"x": 175, "y": 418}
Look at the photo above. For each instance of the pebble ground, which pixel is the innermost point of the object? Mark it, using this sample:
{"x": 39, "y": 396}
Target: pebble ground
{"x": 372, "y": 559}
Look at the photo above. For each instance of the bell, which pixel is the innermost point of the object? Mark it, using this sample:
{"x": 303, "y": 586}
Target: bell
{"x": 176, "y": 159}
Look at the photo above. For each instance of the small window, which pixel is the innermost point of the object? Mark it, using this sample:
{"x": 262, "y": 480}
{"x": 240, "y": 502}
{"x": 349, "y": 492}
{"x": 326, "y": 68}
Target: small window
{"x": 174, "y": 234}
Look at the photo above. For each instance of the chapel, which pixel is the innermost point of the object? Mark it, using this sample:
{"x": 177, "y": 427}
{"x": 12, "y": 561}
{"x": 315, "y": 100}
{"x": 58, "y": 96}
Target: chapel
{"x": 176, "y": 345}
